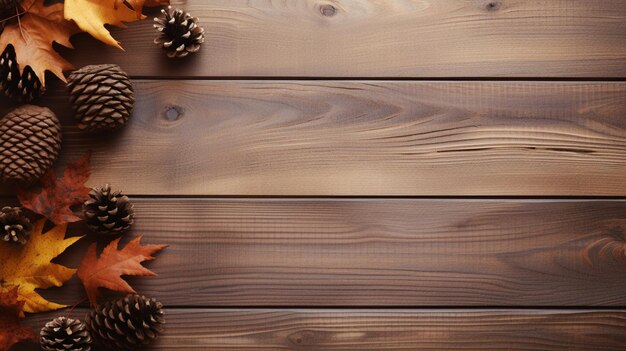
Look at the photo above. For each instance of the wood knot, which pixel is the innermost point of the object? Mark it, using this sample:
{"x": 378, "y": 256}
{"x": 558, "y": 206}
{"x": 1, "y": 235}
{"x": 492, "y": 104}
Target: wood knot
{"x": 302, "y": 338}
{"x": 610, "y": 245}
{"x": 328, "y": 10}
{"x": 493, "y": 6}
{"x": 173, "y": 113}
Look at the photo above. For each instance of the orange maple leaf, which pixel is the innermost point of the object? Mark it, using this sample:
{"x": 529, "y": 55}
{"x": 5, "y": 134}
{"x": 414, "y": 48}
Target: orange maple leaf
{"x": 57, "y": 196}
{"x": 11, "y": 332}
{"x": 106, "y": 271}
{"x": 33, "y": 36}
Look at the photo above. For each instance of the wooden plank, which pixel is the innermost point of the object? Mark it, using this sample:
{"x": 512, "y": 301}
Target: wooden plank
{"x": 392, "y": 38}
{"x": 386, "y": 252}
{"x": 297, "y": 329}
{"x": 363, "y": 138}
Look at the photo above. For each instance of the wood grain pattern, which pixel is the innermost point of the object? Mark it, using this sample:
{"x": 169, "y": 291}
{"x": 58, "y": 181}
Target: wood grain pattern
{"x": 265, "y": 329}
{"x": 391, "y": 38}
{"x": 380, "y": 252}
{"x": 363, "y": 138}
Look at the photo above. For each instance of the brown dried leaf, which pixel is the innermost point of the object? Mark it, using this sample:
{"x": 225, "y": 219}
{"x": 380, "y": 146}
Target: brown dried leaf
{"x": 57, "y": 196}
{"x": 107, "y": 270}
{"x": 33, "y": 36}
{"x": 11, "y": 332}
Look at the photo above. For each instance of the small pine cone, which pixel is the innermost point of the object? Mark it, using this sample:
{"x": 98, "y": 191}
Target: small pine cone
{"x": 108, "y": 212}
{"x": 65, "y": 334}
{"x": 19, "y": 87}
{"x": 180, "y": 33}
{"x": 14, "y": 226}
{"x": 30, "y": 141}
{"x": 102, "y": 96}
{"x": 126, "y": 324}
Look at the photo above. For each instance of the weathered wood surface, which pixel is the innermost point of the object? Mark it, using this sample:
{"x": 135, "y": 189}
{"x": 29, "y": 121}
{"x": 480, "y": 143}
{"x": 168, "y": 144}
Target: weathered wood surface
{"x": 478, "y": 330}
{"x": 377, "y": 252}
{"x": 363, "y": 138}
{"x": 391, "y": 38}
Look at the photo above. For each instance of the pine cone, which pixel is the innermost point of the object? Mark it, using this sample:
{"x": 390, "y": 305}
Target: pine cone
{"x": 108, "y": 212}
{"x": 19, "y": 87}
{"x": 65, "y": 334}
{"x": 14, "y": 226}
{"x": 180, "y": 33}
{"x": 102, "y": 96}
{"x": 126, "y": 324}
{"x": 30, "y": 141}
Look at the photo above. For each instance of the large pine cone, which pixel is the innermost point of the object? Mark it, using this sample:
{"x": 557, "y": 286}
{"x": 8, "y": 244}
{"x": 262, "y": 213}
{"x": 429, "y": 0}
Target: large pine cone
{"x": 180, "y": 33}
{"x": 14, "y": 226}
{"x": 19, "y": 87}
{"x": 65, "y": 334}
{"x": 102, "y": 96}
{"x": 30, "y": 141}
{"x": 108, "y": 212}
{"x": 126, "y": 324}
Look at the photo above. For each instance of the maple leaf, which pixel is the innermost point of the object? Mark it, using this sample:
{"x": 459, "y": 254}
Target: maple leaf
{"x": 92, "y": 15}
{"x": 11, "y": 332}
{"x": 33, "y": 36}
{"x": 57, "y": 196}
{"x": 29, "y": 267}
{"x": 106, "y": 271}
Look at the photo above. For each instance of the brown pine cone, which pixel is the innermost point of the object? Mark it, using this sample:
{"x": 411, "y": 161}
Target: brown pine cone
{"x": 14, "y": 226}
{"x": 102, "y": 96}
{"x": 30, "y": 141}
{"x": 126, "y": 324}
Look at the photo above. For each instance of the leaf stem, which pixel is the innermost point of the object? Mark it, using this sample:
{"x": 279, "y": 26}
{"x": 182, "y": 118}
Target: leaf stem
{"x": 69, "y": 313}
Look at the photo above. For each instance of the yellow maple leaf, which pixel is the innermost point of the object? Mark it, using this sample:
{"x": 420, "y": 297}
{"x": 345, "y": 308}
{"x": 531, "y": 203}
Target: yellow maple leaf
{"x": 92, "y": 15}
{"x": 28, "y": 267}
{"x": 33, "y": 36}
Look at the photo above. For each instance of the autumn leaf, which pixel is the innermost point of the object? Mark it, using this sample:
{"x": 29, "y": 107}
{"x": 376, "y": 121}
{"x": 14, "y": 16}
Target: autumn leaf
{"x": 29, "y": 267}
{"x": 106, "y": 271}
{"x": 56, "y": 196}
{"x": 11, "y": 332}
{"x": 92, "y": 15}
{"x": 33, "y": 35}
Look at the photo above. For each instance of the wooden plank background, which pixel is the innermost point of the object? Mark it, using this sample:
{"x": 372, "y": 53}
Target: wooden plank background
{"x": 380, "y": 252}
{"x": 390, "y": 38}
{"x": 288, "y": 329}
{"x": 363, "y": 138}
{"x": 374, "y": 175}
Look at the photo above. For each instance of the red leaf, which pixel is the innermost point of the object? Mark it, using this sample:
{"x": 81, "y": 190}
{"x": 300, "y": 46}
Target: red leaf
{"x": 11, "y": 332}
{"x": 57, "y": 196}
{"x": 106, "y": 271}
